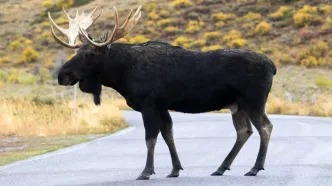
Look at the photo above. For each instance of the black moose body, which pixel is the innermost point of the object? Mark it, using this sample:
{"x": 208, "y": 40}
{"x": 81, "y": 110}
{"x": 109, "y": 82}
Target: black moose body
{"x": 155, "y": 77}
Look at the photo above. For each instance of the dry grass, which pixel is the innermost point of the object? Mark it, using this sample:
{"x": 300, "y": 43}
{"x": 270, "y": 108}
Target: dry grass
{"x": 121, "y": 104}
{"x": 321, "y": 107}
{"x": 28, "y": 117}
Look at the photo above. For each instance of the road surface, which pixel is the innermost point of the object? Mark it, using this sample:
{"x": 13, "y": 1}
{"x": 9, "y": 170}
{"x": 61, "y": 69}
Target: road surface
{"x": 300, "y": 153}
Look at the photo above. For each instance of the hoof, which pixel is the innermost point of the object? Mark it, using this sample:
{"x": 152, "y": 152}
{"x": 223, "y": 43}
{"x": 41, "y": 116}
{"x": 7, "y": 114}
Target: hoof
{"x": 175, "y": 172}
{"x": 145, "y": 175}
{"x": 173, "y": 175}
{"x": 142, "y": 177}
{"x": 217, "y": 174}
{"x": 220, "y": 171}
{"x": 253, "y": 171}
{"x": 250, "y": 174}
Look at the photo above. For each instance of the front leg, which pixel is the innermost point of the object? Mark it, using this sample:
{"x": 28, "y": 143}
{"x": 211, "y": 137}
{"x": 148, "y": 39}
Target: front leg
{"x": 152, "y": 123}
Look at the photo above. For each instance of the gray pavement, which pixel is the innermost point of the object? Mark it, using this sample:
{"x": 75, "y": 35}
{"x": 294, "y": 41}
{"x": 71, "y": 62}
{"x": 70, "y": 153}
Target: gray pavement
{"x": 300, "y": 153}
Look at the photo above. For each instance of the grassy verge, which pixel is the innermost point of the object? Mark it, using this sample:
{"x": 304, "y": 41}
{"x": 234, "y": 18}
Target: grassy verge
{"x": 18, "y": 148}
{"x": 34, "y": 126}
{"x": 48, "y": 117}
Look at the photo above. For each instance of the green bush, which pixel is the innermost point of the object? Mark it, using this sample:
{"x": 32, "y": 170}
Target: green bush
{"x": 27, "y": 78}
{"x": 322, "y": 82}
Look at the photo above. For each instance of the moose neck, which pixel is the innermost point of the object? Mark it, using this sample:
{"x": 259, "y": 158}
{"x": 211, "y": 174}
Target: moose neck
{"x": 116, "y": 64}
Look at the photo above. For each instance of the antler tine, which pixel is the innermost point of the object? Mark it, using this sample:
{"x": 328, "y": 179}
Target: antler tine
{"x": 117, "y": 22}
{"x": 82, "y": 19}
{"x": 118, "y": 32}
{"x": 69, "y": 18}
{"x": 62, "y": 42}
{"x": 127, "y": 19}
{"x": 94, "y": 18}
{"x": 63, "y": 31}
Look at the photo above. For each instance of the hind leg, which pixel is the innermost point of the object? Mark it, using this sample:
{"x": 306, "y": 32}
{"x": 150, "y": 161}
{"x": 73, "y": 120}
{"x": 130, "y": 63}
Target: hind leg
{"x": 243, "y": 129}
{"x": 167, "y": 133}
{"x": 264, "y": 128}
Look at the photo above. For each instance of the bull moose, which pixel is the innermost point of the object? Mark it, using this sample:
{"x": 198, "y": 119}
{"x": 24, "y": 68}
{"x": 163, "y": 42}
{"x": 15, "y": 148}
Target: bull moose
{"x": 155, "y": 77}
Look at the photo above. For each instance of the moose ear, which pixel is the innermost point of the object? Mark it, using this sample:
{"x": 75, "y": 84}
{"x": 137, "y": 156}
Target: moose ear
{"x": 104, "y": 36}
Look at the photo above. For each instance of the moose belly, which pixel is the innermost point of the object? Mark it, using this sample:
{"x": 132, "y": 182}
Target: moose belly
{"x": 199, "y": 104}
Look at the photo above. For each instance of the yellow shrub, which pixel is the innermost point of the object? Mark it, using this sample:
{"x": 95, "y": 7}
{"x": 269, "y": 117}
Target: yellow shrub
{"x": 12, "y": 78}
{"x": 194, "y": 26}
{"x": 308, "y": 9}
{"x": 187, "y": 46}
{"x": 28, "y": 42}
{"x": 251, "y": 16}
{"x": 198, "y": 43}
{"x": 122, "y": 40}
{"x": 46, "y": 35}
{"x": 322, "y": 82}
{"x": 4, "y": 59}
{"x": 47, "y": 3}
{"x": 64, "y": 3}
{"x": 151, "y": 7}
{"x": 38, "y": 30}
{"x": 61, "y": 21}
{"x": 153, "y": 15}
{"x": 182, "y": 3}
{"x": 50, "y": 64}
{"x": 327, "y": 9}
{"x": 164, "y": 13}
{"x": 233, "y": 34}
{"x": 19, "y": 42}
{"x": 237, "y": 43}
{"x": 326, "y": 27}
{"x": 234, "y": 39}
{"x": 222, "y": 16}
{"x": 166, "y": 22}
{"x": 211, "y": 48}
{"x": 319, "y": 48}
{"x": 30, "y": 54}
{"x": 171, "y": 30}
{"x": 263, "y": 28}
{"x": 180, "y": 41}
{"x": 315, "y": 55}
{"x": 46, "y": 24}
{"x": 286, "y": 59}
{"x": 138, "y": 39}
{"x": 212, "y": 35}
{"x": 281, "y": 13}
{"x": 302, "y": 19}
{"x": 220, "y": 24}
{"x": 305, "y": 16}
{"x": 15, "y": 44}
{"x": 312, "y": 61}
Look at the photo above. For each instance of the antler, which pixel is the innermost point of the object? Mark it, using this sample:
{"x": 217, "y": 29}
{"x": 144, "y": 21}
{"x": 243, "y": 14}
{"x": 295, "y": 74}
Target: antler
{"x": 81, "y": 20}
{"x": 118, "y": 32}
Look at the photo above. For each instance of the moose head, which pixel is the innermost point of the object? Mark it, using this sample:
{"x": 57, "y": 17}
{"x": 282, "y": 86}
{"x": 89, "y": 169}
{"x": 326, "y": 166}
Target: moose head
{"x": 92, "y": 54}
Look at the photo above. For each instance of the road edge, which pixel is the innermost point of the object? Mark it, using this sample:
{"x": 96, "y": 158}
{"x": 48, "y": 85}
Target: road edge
{"x": 67, "y": 149}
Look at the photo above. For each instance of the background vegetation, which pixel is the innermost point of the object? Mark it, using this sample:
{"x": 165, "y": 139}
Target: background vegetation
{"x": 296, "y": 35}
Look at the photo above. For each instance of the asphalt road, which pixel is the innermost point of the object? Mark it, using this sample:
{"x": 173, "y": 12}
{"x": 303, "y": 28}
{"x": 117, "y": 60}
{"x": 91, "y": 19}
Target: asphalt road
{"x": 300, "y": 153}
